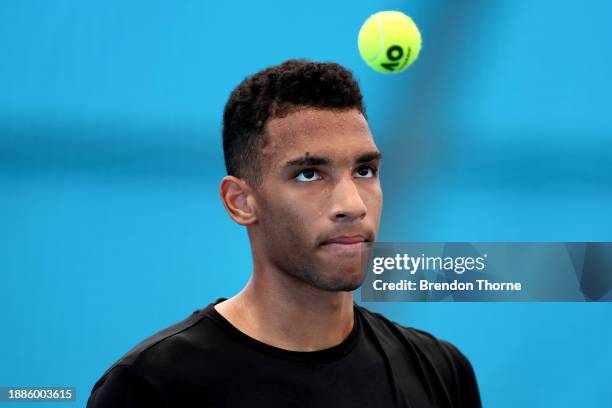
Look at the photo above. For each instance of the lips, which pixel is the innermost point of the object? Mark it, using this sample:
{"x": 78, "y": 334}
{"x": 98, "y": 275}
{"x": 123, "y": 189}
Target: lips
{"x": 346, "y": 240}
{"x": 345, "y": 245}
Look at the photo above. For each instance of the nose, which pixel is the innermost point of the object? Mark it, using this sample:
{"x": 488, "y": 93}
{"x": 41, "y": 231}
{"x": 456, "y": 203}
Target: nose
{"x": 347, "y": 204}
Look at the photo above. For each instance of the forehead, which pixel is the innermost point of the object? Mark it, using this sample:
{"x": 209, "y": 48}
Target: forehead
{"x": 317, "y": 131}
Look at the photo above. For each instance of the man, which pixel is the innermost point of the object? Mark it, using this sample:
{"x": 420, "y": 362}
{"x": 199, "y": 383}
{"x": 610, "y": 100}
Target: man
{"x": 303, "y": 178}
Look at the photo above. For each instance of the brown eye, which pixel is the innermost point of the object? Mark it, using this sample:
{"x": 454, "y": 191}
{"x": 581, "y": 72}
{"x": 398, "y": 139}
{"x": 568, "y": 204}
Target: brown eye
{"x": 366, "y": 172}
{"x": 308, "y": 175}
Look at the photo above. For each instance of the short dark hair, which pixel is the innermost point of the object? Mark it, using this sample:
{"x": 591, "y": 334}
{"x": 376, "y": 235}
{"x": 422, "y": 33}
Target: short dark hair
{"x": 275, "y": 92}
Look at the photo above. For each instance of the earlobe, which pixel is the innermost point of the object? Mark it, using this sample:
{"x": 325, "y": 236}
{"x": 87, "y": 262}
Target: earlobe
{"x": 236, "y": 197}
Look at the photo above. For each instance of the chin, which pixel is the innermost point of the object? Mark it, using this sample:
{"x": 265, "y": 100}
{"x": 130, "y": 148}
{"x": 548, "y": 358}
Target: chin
{"x": 347, "y": 281}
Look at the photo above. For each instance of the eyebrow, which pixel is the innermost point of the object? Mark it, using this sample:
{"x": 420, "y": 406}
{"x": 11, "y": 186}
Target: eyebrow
{"x": 320, "y": 161}
{"x": 369, "y": 156}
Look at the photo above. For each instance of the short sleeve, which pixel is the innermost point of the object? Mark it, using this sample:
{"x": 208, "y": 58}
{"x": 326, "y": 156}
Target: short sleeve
{"x": 467, "y": 393}
{"x": 121, "y": 387}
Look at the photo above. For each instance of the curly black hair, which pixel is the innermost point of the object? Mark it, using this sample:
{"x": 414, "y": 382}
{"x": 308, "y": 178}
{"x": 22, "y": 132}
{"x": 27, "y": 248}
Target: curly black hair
{"x": 275, "y": 92}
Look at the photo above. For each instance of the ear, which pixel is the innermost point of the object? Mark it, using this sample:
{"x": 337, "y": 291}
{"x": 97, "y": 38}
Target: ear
{"x": 237, "y": 198}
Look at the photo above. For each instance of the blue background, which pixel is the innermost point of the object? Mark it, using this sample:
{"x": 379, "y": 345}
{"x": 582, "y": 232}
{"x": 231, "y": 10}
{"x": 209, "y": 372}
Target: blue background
{"x": 110, "y": 158}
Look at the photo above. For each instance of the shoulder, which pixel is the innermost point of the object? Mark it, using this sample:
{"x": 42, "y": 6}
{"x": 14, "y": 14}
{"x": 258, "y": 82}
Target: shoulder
{"x": 123, "y": 386}
{"x": 415, "y": 338}
{"x": 135, "y": 374}
{"x": 437, "y": 359}
{"x": 172, "y": 337}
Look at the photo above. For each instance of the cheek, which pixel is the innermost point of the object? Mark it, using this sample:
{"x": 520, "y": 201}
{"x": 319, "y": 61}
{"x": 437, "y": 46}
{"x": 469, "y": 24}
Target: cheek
{"x": 287, "y": 224}
{"x": 380, "y": 201}
{"x": 374, "y": 199}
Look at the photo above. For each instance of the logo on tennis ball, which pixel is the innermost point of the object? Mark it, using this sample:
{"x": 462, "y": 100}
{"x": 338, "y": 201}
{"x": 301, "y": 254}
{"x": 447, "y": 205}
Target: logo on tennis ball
{"x": 389, "y": 41}
{"x": 395, "y": 53}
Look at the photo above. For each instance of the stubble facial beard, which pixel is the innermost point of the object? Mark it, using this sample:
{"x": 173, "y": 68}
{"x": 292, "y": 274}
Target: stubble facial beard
{"x": 335, "y": 282}
{"x": 287, "y": 254}
{"x": 310, "y": 274}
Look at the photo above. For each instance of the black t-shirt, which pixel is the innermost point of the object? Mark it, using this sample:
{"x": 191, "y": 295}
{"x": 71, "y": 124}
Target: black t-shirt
{"x": 204, "y": 361}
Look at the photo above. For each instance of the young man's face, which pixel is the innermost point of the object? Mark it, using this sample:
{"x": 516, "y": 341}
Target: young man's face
{"x": 320, "y": 197}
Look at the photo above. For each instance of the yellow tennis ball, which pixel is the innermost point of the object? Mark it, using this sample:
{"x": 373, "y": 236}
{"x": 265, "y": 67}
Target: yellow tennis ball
{"x": 389, "y": 41}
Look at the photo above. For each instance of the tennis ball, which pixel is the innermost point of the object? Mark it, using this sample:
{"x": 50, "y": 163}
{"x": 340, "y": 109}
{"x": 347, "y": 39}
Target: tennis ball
{"x": 389, "y": 41}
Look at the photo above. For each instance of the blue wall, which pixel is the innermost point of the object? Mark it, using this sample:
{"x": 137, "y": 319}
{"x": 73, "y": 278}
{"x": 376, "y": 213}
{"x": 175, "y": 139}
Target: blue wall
{"x": 110, "y": 159}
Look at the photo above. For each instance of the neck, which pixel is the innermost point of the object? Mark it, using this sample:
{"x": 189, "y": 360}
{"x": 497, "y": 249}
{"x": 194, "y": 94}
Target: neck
{"x": 283, "y": 311}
